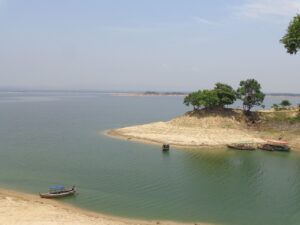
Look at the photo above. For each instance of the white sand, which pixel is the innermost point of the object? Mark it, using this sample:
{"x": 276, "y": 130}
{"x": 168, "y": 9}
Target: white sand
{"x": 24, "y": 209}
{"x": 190, "y": 131}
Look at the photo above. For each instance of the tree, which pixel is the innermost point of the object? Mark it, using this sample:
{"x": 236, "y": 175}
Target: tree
{"x": 192, "y": 99}
{"x": 221, "y": 95}
{"x": 291, "y": 39}
{"x": 275, "y": 107}
{"x": 205, "y": 98}
{"x": 285, "y": 103}
{"x": 225, "y": 93}
{"x": 209, "y": 99}
{"x": 250, "y": 93}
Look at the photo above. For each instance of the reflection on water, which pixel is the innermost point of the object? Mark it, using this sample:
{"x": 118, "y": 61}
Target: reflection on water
{"x": 58, "y": 142}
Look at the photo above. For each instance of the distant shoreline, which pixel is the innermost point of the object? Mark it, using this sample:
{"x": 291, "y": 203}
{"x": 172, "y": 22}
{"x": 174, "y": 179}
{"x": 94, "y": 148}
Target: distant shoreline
{"x": 142, "y": 94}
{"x": 22, "y": 209}
{"x": 137, "y": 94}
{"x": 124, "y": 93}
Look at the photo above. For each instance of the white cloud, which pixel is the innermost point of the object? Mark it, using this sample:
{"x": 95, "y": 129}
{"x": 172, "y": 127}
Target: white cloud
{"x": 263, "y": 8}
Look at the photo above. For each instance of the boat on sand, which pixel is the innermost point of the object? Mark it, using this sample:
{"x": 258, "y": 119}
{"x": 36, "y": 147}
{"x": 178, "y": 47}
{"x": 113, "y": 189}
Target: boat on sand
{"x": 277, "y": 142}
{"x": 242, "y": 146}
{"x": 58, "y": 191}
{"x": 275, "y": 145}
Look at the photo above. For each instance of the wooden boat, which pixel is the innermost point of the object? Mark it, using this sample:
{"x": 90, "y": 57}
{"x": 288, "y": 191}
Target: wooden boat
{"x": 242, "y": 146}
{"x": 58, "y": 192}
{"x": 274, "y": 147}
{"x": 277, "y": 142}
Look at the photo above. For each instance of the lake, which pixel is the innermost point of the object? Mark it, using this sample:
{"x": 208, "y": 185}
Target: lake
{"x": 52, "y": 138}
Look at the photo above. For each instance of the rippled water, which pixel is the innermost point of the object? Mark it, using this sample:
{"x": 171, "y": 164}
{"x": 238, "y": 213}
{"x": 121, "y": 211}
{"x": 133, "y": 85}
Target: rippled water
{"x": 51, "y": 139}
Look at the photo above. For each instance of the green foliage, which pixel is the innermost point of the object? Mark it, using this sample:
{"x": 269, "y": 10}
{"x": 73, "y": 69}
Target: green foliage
{"x": 209, "y": 99}
{"x": 220, "y": 96}
{"x": 275, "y": 107}
{"x": 285, "y": 103}
{"x": 282, "y": 105}
{"x": 291, "y": 39}
{"x": 223, "y": 94}
{"x": 226, "y": 94}
{"x": 205, "y": 98}
{"x": 193, "y": 99}
{"x": 250, "y": 93}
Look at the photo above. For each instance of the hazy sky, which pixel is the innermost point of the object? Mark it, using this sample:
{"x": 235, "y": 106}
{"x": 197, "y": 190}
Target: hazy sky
{"x": 146, "y": 44}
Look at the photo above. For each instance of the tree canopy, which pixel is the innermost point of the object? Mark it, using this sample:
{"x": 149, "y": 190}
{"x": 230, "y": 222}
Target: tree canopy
{"x": 226, "y": 94}
{"x": 193, "y": 99}
{"x": 209, "y": 99}
{"x": 285, "y": 103}
{"x": 291, "y": 39}
{"x": 221, "y": 95}
{"x": 250, "y": 93}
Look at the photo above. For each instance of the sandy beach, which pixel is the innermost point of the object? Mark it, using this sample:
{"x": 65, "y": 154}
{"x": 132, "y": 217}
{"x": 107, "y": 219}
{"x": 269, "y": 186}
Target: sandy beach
{"x": 26, "y": 209}
{"x": 189, "y": 131}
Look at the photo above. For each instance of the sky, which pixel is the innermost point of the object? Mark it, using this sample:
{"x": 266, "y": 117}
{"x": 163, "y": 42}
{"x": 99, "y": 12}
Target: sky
{"x": 143, "y": 45}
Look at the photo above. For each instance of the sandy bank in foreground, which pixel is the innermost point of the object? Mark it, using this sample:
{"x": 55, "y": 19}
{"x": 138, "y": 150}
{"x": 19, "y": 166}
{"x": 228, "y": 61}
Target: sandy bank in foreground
{"x": 24, "y": 209}
{"x": 190, "y": 132}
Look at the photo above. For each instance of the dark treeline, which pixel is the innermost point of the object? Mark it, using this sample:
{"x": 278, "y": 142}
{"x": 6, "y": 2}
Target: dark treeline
{"x": 164, "y": 93}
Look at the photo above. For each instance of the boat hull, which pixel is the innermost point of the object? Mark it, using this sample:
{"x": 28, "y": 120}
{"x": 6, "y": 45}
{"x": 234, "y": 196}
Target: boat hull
{"x": 57, "y": 195}
{"x": 272, "y": 147}
{"x": 246, "y": 147}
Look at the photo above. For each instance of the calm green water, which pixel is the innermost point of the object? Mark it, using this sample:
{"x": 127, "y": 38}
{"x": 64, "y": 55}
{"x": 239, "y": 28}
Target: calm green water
{"x": 48, "y": 139}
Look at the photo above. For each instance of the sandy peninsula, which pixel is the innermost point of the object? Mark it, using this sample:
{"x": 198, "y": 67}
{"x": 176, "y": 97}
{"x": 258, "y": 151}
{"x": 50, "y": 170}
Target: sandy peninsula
{"x": 211, "y": 129}
{"x": 190, "y": 131}
{"x": 25, "y": 209}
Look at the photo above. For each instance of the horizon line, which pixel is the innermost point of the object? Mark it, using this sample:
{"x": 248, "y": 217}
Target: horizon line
{"x": 117, "y": 91}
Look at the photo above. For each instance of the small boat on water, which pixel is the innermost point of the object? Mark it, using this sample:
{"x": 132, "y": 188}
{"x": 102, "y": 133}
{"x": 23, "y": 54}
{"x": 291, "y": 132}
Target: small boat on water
{"x": 165, "y": 147}
{"x": 58, "y": 191}
{"x": 242, "y": 146}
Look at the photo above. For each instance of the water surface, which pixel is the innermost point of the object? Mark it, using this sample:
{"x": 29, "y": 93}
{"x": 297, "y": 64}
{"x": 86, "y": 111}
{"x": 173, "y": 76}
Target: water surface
{"x": 55, "y": 138}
